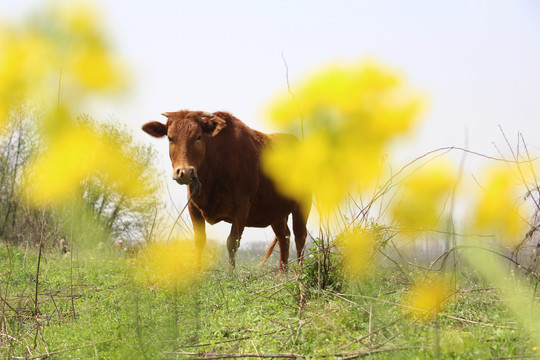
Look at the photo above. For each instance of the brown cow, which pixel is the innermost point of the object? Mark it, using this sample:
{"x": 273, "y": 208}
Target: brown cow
{"x": 218, "y": 157}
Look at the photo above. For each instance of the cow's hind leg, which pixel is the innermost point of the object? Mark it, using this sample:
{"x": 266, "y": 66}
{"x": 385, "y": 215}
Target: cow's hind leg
{"x": 283, "y": 236}
{"x": 300, "y": 231}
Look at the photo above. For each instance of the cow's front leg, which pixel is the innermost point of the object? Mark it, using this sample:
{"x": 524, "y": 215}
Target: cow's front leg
{"x": 199, "y": 229}
{"x": 233, "y": 241}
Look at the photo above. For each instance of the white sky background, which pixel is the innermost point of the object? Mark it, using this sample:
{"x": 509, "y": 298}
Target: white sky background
{"x": 478, "y": 61}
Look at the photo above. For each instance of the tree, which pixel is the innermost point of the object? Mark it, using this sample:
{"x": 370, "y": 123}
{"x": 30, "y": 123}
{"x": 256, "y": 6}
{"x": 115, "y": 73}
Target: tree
{"x": 18, "y": 222}
{"x": 132, "y": 218}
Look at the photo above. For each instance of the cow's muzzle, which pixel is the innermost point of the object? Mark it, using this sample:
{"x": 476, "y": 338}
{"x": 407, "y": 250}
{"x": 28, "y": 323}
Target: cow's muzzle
{"x": 185, "y": 176}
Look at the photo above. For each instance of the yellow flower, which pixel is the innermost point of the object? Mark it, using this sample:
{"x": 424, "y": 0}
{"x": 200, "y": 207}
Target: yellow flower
{"x": 498, "y": 209}
{"x": 56, "y": 173}
{"x": 88, "y": 64}
{"x": 350, "y": 113}
{"x": 342, "y": 97}
{"x": 306, "y": 168}
{"x": 65, "y": 41}
{"x": 94, "y": 69}
{"x": 427, "y": 298}
{"x": 77, "y": 17}
{"x": 72, "y": 156}
{"x": 26, "y": 59}
{"x": 171, "y": 264}
{"x": 425, "y": 194}
{"x": 358, "y": 251}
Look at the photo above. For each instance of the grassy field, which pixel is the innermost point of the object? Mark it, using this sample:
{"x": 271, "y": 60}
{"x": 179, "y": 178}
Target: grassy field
{"x": 89, "y": 308}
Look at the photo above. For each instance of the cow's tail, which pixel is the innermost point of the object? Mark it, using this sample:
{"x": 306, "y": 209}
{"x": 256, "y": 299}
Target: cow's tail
{"x": 269, "y": 251}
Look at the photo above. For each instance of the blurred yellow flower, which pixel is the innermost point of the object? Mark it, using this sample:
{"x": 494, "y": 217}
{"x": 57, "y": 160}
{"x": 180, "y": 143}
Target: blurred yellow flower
{"x": 56, "y": 174}
{"x": 72, "y": 156}
{"x": 498, "y": 210}
{"x": 350, "y": 113}
{"x": 349, "y": 97}
{"x": 25, "y": 60}
{"x": 94, "y": 69}
{"x": 358, "y": 246}
{"x": 427, "y": 298}
{"x": 166, "y": 265}
{"x": 87, "y": 63}
{"x": 424, "y": 196}
{"x": 62, "y": 42}
{"x": 303, "y": 173}
{"x": 78, "y": 17}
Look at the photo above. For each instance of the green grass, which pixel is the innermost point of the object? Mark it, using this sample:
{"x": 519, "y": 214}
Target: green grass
{"x": 89, "y": 308}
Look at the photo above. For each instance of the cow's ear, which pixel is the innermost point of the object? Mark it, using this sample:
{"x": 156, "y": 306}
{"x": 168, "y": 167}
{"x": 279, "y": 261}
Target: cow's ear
{"x": 155, "y": 129}
{"x": 212, "y": 125}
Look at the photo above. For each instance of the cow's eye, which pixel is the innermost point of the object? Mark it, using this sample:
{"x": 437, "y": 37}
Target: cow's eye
{"x": 199, "y": 137}
{"x": 170, "y": 139}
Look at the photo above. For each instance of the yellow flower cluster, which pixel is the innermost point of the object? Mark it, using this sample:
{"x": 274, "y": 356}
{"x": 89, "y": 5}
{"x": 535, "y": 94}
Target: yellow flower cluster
{"x": 76, "y": 154}
{"x": 88, "y": 62}
{"x": 427, "y": 298}
{"x": 167, "y": 264}
{"x": 358, "y": 250}
{"x": 57, "y": 60}
{"x": 424, "y": 196}
{"x": 347, "y": 114}
{"x": 62, "y": 44}
{"x": 497, "y": 211}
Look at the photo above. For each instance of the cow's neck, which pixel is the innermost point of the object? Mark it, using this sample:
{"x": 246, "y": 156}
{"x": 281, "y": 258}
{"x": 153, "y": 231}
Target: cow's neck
{"x": 207, "y": 178}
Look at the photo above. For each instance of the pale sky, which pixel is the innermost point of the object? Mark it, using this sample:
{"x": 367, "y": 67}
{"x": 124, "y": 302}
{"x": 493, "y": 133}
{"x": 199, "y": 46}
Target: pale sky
{"x": 477, "y": 61}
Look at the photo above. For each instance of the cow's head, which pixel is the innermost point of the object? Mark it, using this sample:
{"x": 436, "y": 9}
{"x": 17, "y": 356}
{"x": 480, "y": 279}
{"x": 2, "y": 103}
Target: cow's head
{"x": 187, "y": 132}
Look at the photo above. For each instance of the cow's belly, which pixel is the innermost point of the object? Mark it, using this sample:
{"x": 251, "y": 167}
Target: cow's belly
{"x": 267, "y": 210}
{"x": 262, "y": 213}
{"x": 261, "y": 222}
{"x": 257, "y": 217}
{"x": 266, "y": 206}
{"x": 215, "y": 214}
